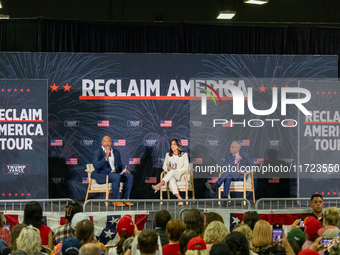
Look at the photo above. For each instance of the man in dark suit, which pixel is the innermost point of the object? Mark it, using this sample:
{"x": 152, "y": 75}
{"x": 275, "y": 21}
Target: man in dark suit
{"x": 106, "y": 161}
{"x": 237, "y": 163}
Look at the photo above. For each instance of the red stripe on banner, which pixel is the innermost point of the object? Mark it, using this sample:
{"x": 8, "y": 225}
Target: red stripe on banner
{"x": 21, "y": 120}
{"x": 12, "y": 219}
{"x": 148, "y": 98}
{"x": 285, "y": 219}
{"x": 140, "y": 220}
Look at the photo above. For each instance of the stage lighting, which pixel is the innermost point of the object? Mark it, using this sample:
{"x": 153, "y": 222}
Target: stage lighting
{"x": 0, "y": 4}
{"x": 226, "y": 14}
{"x": 255, "y": 1}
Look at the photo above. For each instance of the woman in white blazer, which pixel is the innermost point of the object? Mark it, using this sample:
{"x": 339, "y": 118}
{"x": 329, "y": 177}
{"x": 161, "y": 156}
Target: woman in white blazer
{"x": 176, "y": 162}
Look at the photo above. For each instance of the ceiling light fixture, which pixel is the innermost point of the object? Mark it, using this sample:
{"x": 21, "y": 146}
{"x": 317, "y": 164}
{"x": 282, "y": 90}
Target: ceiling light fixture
{"x": 226, "y": 14}
{"x": 256, "y": 1}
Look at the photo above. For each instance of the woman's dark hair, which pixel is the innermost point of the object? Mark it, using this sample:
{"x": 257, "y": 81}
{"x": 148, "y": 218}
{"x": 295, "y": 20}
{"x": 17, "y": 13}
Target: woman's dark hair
{"x": 71, "y": 209}
{"x": 123, "y": 237}
{"x": 194, "y": 220}
{"x": 237, "y": 243}
{"x": 211, "y": 216}
{"x": 184, "y": 240}
{"x": 33, "y": 214}
{"x": 179, "y": 146}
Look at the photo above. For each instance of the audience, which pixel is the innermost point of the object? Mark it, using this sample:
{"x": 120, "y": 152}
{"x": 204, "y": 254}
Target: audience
{"x": 4, "y": 232}
{"x": 33, "y": 216}
{"x": 70, "y": 246}
{"x": 184, "y": 240}
{"x": 194, "y": 220}
{"x": 250, "y": 218}
{"x": 330, "y": 219}
{"x": 247, "y": 232}
{"x": 219, "y": 249}
{"x": 316, "y": 203}
{"x": 85, "y": 234}
{"x": 210, "y": 217}
{"x": 312, "y": 226}
{"x": 89, "y": 249}
{"x": 147, "y": 242}
{"x": 215, "y": 232}
{"x": 29, "y": 241}
{"x": 237, "y": 243}
{"x": 14, "y": 236}
{"x": 78, "y": 217}
{"x": 127, "y": 243}
{"x": 174, "y": 230}
{"x": 196, "y": 246}
{"x": 125, "y": 229}
{"x": 65, "y": 230}
{"x": 162, "y": 217}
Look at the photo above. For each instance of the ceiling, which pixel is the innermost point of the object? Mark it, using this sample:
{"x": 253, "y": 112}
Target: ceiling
{"x": 197, "y": 11}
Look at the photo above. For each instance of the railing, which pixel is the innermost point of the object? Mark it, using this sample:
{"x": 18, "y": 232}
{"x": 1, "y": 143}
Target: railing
{"x": 52, "y": 205}
{"x": 292, "y": 203}
{"x": 166, "y": 204}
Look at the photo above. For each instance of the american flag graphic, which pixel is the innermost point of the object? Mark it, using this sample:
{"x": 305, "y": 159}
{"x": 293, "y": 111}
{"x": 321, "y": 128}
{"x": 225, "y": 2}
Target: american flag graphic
{"x": 229, "y": 124}
{"x": 184, "y": 142}
{"x": 288, "y": 123}
{"x": 196, "y": 161}
{"x": 166, "y": 123}
{"x": 134, "y": 161}
{"x": 258, "y": 161}
{"x": 85, "y": 180}
{"x": 212, "y": 179}
{"x": 71, "y": 161}
{"x": 150, "y": 179}
{"x": 56, "y": 142}
{"x": 119, "y": 142}
{"x": 103, "y": 123}
{"x": 244, "y": 142}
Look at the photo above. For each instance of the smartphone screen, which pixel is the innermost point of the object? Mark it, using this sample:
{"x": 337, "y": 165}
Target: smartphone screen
{"x": 6, "y": 225}
{"x": 277, "y": 232}
{"x": 325, "y": 241}
{"x": 302, "y": 224}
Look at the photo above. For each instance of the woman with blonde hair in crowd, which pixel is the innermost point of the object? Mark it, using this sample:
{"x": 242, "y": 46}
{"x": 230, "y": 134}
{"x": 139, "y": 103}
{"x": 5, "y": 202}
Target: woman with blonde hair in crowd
{"x": 174, "y": 230}
{"x": 215, "y": 232}
{"x": 330, "y": 219}
{"x": 29, "y": 241}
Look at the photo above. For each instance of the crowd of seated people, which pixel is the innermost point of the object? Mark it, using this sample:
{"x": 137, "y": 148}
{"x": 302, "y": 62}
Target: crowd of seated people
{"x": 196, "y": 234}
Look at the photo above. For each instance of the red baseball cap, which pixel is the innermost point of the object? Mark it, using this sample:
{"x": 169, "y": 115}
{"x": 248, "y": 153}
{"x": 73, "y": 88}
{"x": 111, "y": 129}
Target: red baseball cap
{"x": 125, "y": 224}
{"x": 196, "y": 243}
{"x": 312, "y": 225}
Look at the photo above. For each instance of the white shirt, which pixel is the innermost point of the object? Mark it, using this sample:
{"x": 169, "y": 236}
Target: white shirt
{"x": 111, "y": 160}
